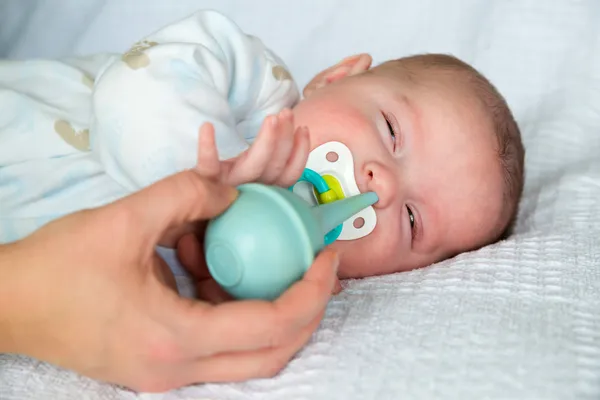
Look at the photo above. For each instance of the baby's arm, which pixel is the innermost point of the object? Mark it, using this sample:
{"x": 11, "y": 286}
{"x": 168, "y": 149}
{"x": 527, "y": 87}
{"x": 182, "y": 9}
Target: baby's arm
{"x": 149, "y": 105}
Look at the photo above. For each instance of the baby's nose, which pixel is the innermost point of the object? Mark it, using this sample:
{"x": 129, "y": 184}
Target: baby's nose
{"x": 381, "y": 180}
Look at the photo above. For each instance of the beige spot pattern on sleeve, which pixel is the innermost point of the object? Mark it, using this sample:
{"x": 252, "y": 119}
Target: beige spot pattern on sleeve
{"x": 281, "y": 73}
{"x": 79, "y": 140}
{"x": 87, "y": 81}
{"x": 135, "y": 57}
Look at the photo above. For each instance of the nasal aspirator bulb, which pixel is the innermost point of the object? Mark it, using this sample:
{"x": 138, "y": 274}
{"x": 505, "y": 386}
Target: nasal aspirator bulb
{"x": 268, "y": 238}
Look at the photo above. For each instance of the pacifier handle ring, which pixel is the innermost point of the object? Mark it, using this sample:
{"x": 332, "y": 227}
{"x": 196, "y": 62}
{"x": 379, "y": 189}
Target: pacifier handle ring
{"x": 312, "y": 177}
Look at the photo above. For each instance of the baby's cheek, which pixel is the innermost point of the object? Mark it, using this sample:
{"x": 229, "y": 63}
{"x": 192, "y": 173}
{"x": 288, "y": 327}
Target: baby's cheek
{"x": 349, "y": 122}
{"x": 375, "y": 254}
{"x": 331, "y": 121}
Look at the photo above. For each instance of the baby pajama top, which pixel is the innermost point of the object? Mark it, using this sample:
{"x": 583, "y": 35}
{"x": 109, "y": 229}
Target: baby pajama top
{"x": 82, "y": 132}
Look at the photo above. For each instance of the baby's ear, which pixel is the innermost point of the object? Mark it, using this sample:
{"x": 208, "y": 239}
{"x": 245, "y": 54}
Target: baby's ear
{"x": 347, "y": 67}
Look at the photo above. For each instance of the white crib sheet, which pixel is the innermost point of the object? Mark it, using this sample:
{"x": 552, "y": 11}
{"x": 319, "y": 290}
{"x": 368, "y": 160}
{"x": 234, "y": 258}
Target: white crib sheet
{"x": 516, "y": 320}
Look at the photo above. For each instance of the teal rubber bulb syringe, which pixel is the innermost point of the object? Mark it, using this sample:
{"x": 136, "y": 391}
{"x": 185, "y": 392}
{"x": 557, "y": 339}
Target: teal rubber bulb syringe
{"x": 268, "y": 238}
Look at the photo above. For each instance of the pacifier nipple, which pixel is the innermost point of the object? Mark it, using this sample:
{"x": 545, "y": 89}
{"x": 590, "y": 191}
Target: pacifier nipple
{"x": 334, "y": 193}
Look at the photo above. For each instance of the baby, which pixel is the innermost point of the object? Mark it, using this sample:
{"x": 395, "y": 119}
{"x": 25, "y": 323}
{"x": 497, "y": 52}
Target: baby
{"x": 436, "y": 142}
{"x": 428, "y": 133}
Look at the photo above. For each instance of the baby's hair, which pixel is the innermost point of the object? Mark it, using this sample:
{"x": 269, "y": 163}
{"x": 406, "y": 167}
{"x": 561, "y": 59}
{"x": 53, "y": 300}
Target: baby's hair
{"x": 511, "y": 152}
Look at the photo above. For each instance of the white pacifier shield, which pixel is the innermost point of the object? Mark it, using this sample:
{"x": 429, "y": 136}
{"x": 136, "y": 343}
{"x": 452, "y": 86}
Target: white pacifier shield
{"x": 335, "y": 159}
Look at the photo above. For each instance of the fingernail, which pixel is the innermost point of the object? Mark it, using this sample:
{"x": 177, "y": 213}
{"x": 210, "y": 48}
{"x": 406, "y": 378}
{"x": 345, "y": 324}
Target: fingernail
{"x": 274, "y": 121}
{"x": 350, "y": 58}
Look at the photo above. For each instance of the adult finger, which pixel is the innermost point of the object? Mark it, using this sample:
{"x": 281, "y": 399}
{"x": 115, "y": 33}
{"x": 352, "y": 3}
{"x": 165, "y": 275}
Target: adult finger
{"x": 337, "y": 287}
{"x": 191, "y": 255}
{"x": 252, "y": 325}
{"x": 264, "y": 363}
{"x": 172, "y": 236}
{"x": 210, "y": 291}
{"x": 208, "y": 166}
{"x": 176, "y": 200}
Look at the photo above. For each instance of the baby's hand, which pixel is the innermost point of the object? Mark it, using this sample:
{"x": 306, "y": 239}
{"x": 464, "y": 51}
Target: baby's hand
{"x": 277, "y": 157}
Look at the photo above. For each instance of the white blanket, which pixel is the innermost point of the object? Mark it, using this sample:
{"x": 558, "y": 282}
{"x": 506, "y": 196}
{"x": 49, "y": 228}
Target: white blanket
{"x": 517, "y": 320}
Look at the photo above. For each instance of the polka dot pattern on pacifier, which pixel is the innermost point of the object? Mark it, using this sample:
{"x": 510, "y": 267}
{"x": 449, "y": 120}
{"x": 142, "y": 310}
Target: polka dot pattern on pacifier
{"x": 332, "y": 156}
{"x": 358, "y": 222}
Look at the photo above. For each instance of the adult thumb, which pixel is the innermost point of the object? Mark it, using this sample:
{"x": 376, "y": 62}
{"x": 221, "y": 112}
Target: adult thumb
{"x": 178, "y": 200}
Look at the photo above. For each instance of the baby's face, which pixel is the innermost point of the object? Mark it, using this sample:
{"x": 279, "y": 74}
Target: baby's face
{"x": 431, "y": 157}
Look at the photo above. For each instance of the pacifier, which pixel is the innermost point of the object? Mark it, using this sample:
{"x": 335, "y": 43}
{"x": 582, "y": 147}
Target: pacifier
{"x": 332, "y": 162}
{"x": 268, "y": 238}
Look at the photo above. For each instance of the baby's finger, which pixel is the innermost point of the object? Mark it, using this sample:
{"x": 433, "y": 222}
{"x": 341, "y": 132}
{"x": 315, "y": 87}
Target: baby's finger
{"x": 297, "y": 161}
{"x": 250, "y": 167}
{"x": 283, "y": 148}
{"x": 207, "y": 164}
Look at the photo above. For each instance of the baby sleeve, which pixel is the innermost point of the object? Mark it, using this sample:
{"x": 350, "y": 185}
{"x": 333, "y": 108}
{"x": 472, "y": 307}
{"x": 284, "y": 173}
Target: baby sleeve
{"x": 149, "y": 104}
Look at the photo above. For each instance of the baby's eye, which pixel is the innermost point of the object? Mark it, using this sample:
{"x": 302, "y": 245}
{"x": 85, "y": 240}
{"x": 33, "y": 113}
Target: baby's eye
{"x": 411, "y": 218}
{"x": 391, "y": 129}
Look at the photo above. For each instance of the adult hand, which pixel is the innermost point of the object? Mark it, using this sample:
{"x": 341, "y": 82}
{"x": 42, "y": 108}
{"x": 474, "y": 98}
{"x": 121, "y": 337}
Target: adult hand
{"x": 89, "y": 293}
{"x": 190, "y": 252}
{"x": 277, "y": 157}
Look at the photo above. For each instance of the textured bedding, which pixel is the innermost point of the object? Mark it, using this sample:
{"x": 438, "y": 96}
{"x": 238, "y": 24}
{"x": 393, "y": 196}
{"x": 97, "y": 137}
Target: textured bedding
{"x": 516, "y": 320}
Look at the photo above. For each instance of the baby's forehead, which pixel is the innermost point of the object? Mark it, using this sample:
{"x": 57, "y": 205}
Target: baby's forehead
{"x": 438, "y": 79}
{"x": 452, "y": 130}
{"x": 443, "y": 97}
